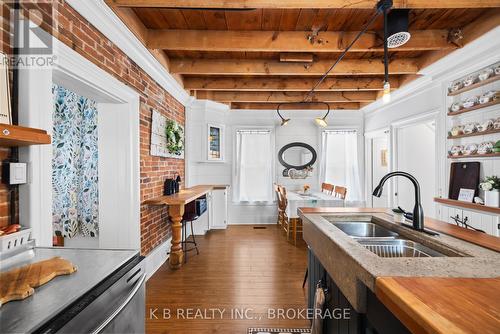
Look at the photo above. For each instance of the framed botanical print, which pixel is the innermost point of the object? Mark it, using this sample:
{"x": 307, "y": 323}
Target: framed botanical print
{"x": 5, "y": 107}
{"x": 215, "y": 142}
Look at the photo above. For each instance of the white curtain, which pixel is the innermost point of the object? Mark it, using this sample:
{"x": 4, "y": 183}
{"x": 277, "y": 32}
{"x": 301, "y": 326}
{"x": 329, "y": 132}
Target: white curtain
{"x": 340, "y": 162}
{"x": 253, "y": 172}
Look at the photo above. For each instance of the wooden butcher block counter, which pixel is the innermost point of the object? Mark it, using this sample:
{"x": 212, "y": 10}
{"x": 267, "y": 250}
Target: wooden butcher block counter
{"x": 443, "y": 305}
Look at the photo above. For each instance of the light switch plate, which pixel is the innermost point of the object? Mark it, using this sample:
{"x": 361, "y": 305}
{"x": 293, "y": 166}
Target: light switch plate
{"x": 18, "y": 173}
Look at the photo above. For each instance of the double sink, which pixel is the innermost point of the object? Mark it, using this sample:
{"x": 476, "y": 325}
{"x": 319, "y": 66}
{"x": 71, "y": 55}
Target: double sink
{"x": 384, "y": 242}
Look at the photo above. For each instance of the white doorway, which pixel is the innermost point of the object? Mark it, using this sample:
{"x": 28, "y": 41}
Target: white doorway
{"x": 378, "y": 164}
{"x": 119, "y": 161}
{"x": 415, "y": 152}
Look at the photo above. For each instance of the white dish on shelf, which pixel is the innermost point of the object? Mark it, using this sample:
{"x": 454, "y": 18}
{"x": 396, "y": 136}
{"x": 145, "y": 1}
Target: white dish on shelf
{"x": 470, "y": 102}
{"x": 485, "y": 147}
{"x": 485, "y": 126}
{"x": 485, "y": 74}
{"x": 470, "y": 149}
{"x": 456, "y": 107}
{"x": 471, "y": 128}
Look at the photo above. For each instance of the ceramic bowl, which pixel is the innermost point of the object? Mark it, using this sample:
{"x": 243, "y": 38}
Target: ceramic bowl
{"x": 485, "y": 147}
{"x": 496, "y": 124}
{"x": 485, "y": 74}
{"x": 456, "y": 106}
{"x": 470, "y": 127}
{"x": 470, "y": 149}
{"x": 470, "y": 102}
{"x": 471, "y": 79}
{"x": 457, "y": 130}
{"x": 456, "y": 86}
{"x": 485, "y": 126}
{"x": 497, "y": 70}
{"x": 488, "y": 97}
{"x": 456, "y": 150}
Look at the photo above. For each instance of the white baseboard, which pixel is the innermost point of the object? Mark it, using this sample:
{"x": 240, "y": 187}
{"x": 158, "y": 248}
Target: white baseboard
{"x": 157, "y": 257}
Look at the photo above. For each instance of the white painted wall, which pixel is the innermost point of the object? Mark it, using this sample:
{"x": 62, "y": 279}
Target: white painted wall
{"x": 416, "y": 154}
{"x": 300, "y": 129}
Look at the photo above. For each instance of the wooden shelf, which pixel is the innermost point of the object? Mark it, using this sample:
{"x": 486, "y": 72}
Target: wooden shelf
{"x": 489, "y": 155}
{"x": 467, "y": 205}
{"x": 15, "y": 136}
{"x": 476, "y": 107}
{"x": 489, "y": 132}
{"x": 476, "y": 85}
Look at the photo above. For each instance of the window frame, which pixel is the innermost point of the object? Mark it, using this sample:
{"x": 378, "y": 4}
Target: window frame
{"x": 273, "y": 161}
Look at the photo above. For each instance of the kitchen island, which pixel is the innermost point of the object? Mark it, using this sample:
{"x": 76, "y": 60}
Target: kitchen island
{"x": 378, "y": 286}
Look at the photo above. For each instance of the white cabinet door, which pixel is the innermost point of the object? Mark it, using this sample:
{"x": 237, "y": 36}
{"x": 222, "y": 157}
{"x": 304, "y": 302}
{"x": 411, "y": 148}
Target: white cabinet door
{"x": 219, "y": 209}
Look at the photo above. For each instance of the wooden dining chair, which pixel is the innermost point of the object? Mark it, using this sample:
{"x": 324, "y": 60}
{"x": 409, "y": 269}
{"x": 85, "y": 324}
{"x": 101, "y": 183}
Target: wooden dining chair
{"x": 340, "y": 192}
{"x": 291, "y": 226}
{"x": 278, "y": 201}
{"x": 327, "y": 188}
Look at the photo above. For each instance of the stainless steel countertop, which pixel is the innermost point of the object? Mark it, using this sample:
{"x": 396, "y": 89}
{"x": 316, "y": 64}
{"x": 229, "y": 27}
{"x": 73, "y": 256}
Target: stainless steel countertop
{"x": 93, "y": 266}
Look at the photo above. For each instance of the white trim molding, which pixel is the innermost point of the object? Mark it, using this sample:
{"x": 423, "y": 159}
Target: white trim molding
{"x": 97, "y": 13}
{"x": 36, "y": 105}
{"x": 157, "y": 257}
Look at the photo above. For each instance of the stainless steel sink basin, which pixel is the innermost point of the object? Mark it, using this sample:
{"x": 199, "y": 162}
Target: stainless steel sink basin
{"x": 399, "y": 248}
{"x": 365, "y": 230}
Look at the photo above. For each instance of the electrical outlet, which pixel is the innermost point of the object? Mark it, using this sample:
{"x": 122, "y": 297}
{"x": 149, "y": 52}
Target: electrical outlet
{"x": 14, "y": 173}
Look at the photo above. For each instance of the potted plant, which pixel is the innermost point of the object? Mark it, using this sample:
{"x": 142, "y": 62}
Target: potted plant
{"x": 491, "y": 187}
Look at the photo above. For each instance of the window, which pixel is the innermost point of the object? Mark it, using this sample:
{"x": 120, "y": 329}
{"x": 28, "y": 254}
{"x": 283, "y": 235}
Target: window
{"x": 253, "y": 172}
{"x": 340, "y": 161}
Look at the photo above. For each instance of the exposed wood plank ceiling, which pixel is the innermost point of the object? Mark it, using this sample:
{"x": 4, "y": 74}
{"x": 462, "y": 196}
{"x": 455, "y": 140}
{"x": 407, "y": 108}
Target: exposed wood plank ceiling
{"x": 275, "y": 51}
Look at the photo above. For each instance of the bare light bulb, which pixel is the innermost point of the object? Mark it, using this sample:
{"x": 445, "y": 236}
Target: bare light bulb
{"x": 386, "y": 97}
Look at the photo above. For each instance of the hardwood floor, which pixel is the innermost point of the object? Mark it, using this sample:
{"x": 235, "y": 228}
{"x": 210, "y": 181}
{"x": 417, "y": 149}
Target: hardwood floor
{"x": 241, "y": 268}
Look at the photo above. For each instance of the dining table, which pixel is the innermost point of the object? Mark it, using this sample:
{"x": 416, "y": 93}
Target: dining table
{"x": 311, "y": 199}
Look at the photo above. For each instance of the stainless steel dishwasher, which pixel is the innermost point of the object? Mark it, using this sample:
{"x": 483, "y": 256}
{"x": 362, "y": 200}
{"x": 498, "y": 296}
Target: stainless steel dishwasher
{"x": 105, "y": 295}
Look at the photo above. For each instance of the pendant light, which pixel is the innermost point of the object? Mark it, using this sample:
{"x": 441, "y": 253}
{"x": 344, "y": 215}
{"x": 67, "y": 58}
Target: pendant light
{"x": 397, "y": 28}
{"x": 321, "y": 121}
{"x": 284, "y": 121}
{"x": 400, "y": 36}
{"x": 386, "y": 97}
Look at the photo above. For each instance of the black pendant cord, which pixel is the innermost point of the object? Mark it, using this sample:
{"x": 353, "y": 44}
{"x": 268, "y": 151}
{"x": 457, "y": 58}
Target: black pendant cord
{"x": 386, "y": 49}
{"x": 323, "y": 77}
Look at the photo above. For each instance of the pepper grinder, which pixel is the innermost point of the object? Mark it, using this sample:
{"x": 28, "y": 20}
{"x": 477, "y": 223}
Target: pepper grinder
{"x": 177, "y": 183}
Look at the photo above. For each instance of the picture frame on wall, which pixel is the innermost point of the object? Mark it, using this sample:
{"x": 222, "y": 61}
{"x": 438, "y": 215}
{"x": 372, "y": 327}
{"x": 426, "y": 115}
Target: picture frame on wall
{"x": 5, "y": 105}
{"x": 215, "y": 142}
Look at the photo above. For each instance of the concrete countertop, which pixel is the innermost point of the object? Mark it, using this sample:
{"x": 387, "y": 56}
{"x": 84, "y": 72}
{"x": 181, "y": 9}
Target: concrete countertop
{"x": 354, "y": 268}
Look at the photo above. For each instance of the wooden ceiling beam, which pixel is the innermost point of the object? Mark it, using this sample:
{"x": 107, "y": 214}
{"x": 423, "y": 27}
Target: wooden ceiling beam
{"x": 233, "y": 96}
{"x": 288, "y": 84}
{"x": 288, "y": 41}
{"x": 298, "y": 4}
{"x": 265, "y": 67}
{"x": 137, "y": 27}
{"x": 273, "y": 106}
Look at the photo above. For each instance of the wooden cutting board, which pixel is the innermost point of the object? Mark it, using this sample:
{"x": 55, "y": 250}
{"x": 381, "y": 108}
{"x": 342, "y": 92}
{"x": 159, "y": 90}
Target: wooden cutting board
{"x": 19, "y": 283}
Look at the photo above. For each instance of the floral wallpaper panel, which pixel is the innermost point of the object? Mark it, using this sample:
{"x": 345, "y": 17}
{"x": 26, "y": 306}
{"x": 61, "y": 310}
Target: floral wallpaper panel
{"x": 75, "y": 202}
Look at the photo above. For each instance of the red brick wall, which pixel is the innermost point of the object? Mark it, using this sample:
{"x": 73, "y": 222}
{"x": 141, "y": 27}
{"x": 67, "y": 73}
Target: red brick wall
{"x": 73, "y": 30}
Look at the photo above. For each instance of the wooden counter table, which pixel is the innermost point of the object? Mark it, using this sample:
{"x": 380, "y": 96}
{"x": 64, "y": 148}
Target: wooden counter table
{"x": 443, "y": 305}
{"x": 176, "y": 203}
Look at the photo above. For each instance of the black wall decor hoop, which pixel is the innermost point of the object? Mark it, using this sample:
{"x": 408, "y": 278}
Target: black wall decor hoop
{"x": 297, "y": 144}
